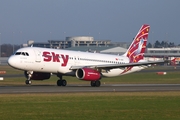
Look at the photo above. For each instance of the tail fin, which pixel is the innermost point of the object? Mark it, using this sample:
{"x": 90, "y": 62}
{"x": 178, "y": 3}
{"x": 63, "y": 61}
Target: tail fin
{"x": 173, "y": 61}
{"x": 137, "y": 48}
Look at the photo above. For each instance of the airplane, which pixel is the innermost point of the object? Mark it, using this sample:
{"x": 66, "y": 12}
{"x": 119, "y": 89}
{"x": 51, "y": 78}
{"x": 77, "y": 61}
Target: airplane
{"x": 173, "y": 61}
{"x": 40, "y": 63}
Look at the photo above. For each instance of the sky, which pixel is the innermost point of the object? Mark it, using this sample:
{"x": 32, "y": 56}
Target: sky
{"x": 115, "y": 20}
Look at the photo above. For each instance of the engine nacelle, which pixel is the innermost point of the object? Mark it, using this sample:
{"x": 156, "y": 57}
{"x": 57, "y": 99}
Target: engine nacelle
{"x": 38, "y": 75}
{"x": 88, "y": 74}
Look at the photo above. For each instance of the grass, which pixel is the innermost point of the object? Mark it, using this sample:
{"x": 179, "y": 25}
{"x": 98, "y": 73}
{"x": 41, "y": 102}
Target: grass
{"x": 9, "y": 70}
{"x": 99, "y": 106}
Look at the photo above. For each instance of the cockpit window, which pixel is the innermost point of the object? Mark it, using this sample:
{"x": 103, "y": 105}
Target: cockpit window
{"x": 17, "y": 53}
{"x": 26, "y": 54}
{"x": 22, "y": 53}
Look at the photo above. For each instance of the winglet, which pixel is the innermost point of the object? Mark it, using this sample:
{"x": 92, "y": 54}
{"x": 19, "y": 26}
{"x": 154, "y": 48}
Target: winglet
{"x": 137, "y": 48}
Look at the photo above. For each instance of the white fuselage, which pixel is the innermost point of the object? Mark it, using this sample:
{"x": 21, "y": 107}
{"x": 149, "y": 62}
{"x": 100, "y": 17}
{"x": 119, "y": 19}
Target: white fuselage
{"x": 60, "y": 61}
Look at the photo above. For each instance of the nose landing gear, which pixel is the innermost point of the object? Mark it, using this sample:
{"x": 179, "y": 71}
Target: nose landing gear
{"x": 29, "y": 75}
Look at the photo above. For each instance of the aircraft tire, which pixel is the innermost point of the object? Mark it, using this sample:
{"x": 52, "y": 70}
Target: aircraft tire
{"x": 97, "y": 83}
{"x": 64, "y": 83}
{"x": 92, "y": 83}
{"x": 59, "y": 83}
{"x": 28, "y": 82}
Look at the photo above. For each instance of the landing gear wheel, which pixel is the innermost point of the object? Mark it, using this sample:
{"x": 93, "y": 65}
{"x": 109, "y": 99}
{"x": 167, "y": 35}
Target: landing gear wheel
{"x": 64, "y": 83}
{"x": 95, "y": 83}
{"x": 61, "y": 83}
{"x": 92, "y": 83}
{"x": 28, "y": 82}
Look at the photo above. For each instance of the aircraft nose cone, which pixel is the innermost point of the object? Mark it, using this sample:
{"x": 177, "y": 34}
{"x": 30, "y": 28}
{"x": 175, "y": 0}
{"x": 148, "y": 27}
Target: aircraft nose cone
{"x": 12, "y": 62}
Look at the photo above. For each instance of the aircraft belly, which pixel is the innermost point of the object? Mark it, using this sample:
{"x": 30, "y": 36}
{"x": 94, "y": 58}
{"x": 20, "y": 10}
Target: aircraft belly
{"x": 64, "y": 70}
{"x": 113, "y": 72}
{"x": 119, "y": 72}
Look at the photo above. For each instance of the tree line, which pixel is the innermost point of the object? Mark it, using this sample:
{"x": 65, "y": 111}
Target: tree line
{"x": 162, "y": 44}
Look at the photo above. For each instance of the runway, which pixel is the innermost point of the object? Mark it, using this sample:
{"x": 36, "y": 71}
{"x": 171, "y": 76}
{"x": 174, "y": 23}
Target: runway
{"x": 70, "y": 88}
{"x": 87, "y": 88}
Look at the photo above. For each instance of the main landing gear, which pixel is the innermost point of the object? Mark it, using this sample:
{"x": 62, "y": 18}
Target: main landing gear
{"x": 95, "y": 83}
{"x": 61, "y": 82}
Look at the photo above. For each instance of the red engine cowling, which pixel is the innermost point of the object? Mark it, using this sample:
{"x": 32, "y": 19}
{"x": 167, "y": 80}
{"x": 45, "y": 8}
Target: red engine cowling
{"x": 38, "y": 75}
{"x": 88, "y": 74}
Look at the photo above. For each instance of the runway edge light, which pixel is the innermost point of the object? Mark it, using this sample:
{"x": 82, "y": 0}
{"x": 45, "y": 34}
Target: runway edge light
{"x": 1, "y": 78}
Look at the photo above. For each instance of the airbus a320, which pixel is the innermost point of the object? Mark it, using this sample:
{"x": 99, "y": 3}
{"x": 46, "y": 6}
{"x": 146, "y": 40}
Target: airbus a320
{"x": 40, "y": 63}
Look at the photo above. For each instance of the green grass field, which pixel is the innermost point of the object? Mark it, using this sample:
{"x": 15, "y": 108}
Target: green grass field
{"x": 88, "y": 106}
{"x": 96, "y": 106}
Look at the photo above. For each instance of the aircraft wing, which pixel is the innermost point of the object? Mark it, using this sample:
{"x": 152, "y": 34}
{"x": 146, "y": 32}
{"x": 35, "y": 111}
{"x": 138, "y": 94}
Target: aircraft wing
{"x": 111, "y": 66}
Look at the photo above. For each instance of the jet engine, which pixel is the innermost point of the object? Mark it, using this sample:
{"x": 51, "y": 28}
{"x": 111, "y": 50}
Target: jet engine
{"x": 88, "y": 74}
{"x": 38, "y": 75}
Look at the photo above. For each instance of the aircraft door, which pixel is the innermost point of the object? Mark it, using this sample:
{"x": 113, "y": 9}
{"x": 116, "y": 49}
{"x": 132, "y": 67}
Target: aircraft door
{"x": 37, "y": 55}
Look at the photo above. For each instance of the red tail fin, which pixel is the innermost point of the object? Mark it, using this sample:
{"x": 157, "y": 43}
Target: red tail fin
{"x": 173, "y": 61}
{"x": 137, "y": 48}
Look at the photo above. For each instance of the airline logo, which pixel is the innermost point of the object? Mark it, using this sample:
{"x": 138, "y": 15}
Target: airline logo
{"x": 137, "y": 48}
{"x": 140, "y": 46}
{"x": 53, "y": 57}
